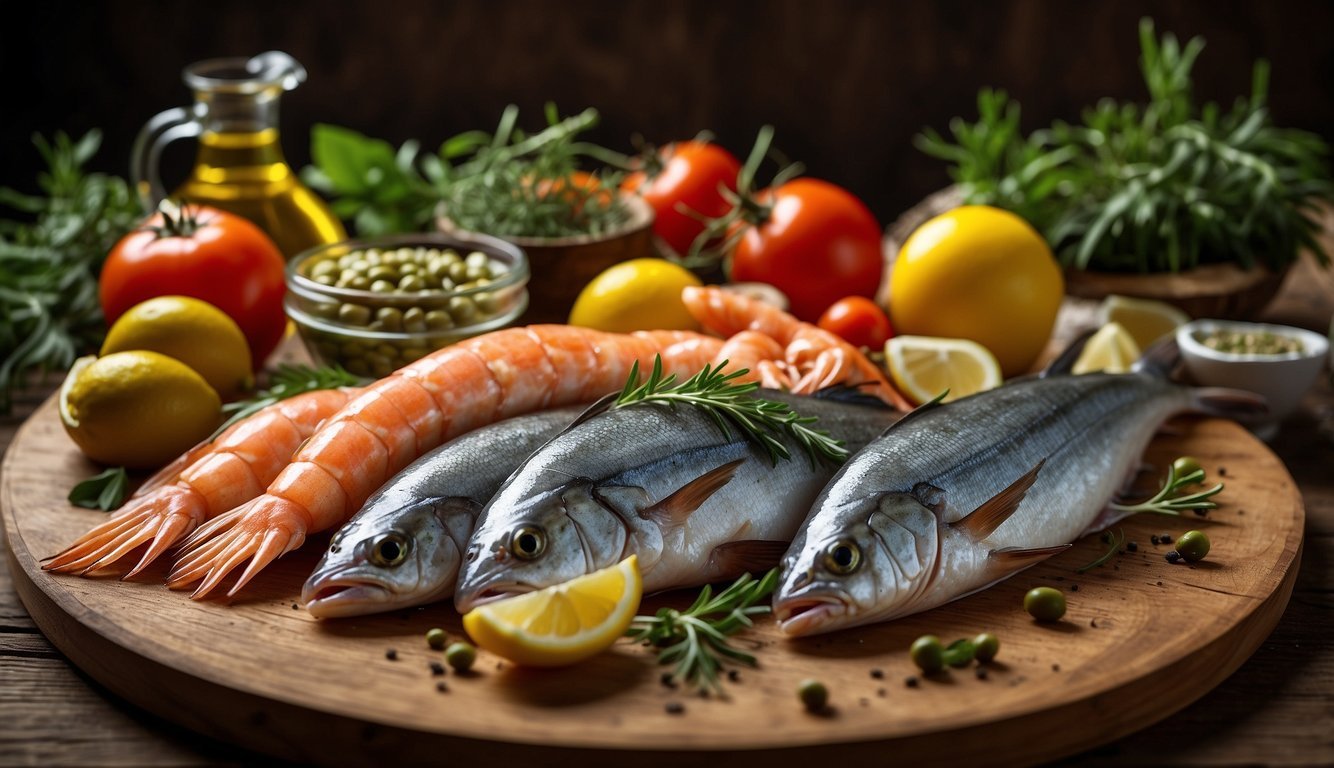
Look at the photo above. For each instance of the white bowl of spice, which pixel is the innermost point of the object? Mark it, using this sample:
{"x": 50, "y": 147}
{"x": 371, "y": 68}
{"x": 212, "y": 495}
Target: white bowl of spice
{"x": 1277, "y": 361}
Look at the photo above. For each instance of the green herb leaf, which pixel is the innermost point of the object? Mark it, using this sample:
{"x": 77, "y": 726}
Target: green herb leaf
{"x": 760, "y": 420}
{"x": 286, "y": 381}
{"x": 104, "y": 491}
{"x": 1166, "y": 503}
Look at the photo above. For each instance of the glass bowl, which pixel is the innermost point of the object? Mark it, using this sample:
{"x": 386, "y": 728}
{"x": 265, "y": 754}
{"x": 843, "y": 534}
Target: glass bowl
{"x": 364, "y": 314}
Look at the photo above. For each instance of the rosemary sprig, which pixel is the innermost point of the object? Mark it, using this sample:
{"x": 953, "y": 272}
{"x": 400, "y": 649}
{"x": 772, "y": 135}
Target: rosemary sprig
{"x": 695, "y": 640}
{"x": 1165, "y": 503}
{"x": 287, "y": 381}
{"x": 760, "y": 420}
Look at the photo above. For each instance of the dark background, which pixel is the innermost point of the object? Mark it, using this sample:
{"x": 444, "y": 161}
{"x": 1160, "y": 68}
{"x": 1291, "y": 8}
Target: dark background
{"x": 847, "y": 84}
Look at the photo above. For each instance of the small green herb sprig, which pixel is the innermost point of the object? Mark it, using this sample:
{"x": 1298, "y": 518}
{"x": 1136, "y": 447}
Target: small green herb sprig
{"x": 1159, "y": 187}
{"x": 105, "y": 491}
{"x": 760, "y": 420}
{"x": 1113, "y": 542}
{"x": 509, "y": 183}
{"x": 695, "y": 640}
{"x": 287, "y": 381}
{"x": 1172, "y": 498}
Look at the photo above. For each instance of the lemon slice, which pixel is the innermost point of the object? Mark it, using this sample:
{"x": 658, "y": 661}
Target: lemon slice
{"x": 1110, "y": 350}
{"x": 563, "y": 624}
{"x": 925, "y": 366}
{"x": 1145, "y": 320}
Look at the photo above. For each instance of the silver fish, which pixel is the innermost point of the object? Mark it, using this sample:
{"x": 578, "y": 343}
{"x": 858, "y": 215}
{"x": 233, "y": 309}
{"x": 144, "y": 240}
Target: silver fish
{"x": 957, "y": 497}
{"x": 403, "y": 547}
{"x": 664, "y": 483}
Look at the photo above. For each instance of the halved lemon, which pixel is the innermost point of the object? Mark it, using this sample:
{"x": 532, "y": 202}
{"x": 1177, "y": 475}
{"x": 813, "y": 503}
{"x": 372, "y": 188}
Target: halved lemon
{"x": 1145, "y": 320}
{"x": 1110, "y": 350}
{"x": 924, "y": 366}
{"x": 563, "y": 624}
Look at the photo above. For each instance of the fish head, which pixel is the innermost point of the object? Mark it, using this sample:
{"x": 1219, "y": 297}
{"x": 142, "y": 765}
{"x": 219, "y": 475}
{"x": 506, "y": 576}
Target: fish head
{"x": 409, "y": 555}
{"x": 523, "y": 544}
{"x": 858, "y": 563}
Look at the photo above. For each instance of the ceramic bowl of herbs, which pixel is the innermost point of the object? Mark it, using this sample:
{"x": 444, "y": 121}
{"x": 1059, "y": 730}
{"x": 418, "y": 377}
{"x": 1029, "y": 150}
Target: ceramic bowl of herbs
{"x": 1199, "y": 205}
{"x": 1277, "y": 361}
{"x": 376, "y": 304}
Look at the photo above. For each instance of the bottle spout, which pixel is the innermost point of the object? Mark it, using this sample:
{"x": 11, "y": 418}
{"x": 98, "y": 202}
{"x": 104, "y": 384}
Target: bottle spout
{"x": 277, "y": 67}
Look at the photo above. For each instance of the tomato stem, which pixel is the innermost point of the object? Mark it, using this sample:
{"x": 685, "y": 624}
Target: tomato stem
{"x": 177, "y": 220}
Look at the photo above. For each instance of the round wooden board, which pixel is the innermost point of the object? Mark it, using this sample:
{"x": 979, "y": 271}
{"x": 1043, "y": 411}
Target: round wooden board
{"x": 1142, "y": 639}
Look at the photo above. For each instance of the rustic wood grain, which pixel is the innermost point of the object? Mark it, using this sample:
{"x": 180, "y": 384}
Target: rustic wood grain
{"x": 1143, "y": 638}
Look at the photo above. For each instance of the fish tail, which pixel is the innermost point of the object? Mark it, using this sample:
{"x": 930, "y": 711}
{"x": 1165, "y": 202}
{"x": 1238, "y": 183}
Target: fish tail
{"x": 1226, "y": 403}
{"x": 1160, "y": 358}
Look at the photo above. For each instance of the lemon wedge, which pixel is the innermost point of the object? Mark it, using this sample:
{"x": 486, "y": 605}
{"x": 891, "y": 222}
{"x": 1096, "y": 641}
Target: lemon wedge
{"x": 1111, "y": 350}
{"x": 1145, "y": 320}
{"x": 563, "y": 624}
{"x": 924, "y": 366}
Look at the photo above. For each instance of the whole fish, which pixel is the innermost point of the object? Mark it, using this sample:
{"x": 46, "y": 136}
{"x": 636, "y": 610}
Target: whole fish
{"x": 957, "y": 497}
{"x": 696, "y": 505}
{"x": 403, "y": 547}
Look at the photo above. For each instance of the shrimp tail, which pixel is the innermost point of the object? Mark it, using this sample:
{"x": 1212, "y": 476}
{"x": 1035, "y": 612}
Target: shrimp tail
{"x": 260, "y": 531}
{"x": 159, "y": 519}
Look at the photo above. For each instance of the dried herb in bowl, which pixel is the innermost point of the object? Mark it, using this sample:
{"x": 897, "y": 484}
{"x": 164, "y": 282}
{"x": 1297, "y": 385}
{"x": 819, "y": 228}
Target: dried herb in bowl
{"x": 1159, "y": 187}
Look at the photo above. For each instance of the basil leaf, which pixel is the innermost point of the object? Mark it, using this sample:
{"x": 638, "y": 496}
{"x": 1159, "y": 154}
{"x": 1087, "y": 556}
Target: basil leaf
{"x": 105, "y": 491}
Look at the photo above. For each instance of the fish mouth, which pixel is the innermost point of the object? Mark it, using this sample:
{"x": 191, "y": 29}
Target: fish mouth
{"x": 341, "y": 594}
{"x": 799, "y": 616}
{"x": 491, "y": 594}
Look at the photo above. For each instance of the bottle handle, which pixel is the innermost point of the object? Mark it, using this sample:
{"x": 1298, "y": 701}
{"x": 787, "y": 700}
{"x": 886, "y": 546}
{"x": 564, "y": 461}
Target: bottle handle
{"x": 161, "y": 130}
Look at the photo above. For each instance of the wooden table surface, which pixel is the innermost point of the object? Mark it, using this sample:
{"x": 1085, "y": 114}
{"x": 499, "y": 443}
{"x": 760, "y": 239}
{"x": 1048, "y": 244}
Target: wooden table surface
{"x": 1276, "y": 710}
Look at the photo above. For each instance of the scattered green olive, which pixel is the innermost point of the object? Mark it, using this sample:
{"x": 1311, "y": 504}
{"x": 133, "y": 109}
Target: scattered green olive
{"x": 927, "y": 653}
{"x": 960, "y": 653}
{"x": 1186, "y": 466}
{"x": 1193, "y": 546}
{"x": 436, "y": 638}
{"x": 813, "y": 694}
{"x": 460, "y": 656}
{"x": 1045, "y": 604}
{"x": 985, "y": 647}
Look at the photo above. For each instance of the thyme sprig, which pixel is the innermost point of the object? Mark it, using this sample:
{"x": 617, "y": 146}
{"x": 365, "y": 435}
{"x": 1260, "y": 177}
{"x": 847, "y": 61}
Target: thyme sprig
{"x": 761, "y": 421}
{"x": 695, "y": 640}
{"x": 1165, "y": 502}
{"x": 287, "y": 381}
{"x": 1114, "y": 542}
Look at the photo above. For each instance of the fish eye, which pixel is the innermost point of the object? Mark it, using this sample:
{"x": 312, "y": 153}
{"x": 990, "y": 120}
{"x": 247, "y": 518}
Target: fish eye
{"x": 843, "y": 557}
{"x": 528, "y": 542}
{"x": 390, "y": 549}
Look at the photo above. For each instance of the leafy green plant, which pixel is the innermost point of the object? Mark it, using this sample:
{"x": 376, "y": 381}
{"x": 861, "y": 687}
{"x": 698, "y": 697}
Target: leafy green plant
{"x": 508, "y": 183}
{"x": 1159, "y": 187}
{"x": 50, "y": 260}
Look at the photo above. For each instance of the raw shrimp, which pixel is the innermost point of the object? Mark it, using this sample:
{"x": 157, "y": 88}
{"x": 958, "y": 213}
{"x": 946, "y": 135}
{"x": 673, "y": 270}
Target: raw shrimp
{"x": 406, "y": 414}
{"x": 783, "y": 351}
{"x": 207, "y": 480}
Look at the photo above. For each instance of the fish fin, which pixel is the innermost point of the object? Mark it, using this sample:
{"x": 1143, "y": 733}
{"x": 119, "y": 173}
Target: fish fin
{"x": 601, "y": 405}
{"x": 1010, "y": 560}
{"x": 851, "y": 395}
{"x": 930, "y": 496}
{"x": 1109, "y": 516}
{"x": 919, "y": 410}
{"x": 746, "y": 556}
{"x": 1226, "y": 403}
{"x": 676, "y": 507}
{"x": 1065, "y": 362}
{"x": 981, "y": 522}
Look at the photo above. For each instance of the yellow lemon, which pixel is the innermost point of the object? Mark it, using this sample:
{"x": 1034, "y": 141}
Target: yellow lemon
{"x": 636, "y": 295}
{"x": 136, "y": 409}
{"x": 1145, "y": 320}
{"x": 923, "y": 367}
{"x": 978, "y": 273}
{"x": 563, "y": 624}
{"x": 1111, "y": 350}
{"x": 192, "y": 331}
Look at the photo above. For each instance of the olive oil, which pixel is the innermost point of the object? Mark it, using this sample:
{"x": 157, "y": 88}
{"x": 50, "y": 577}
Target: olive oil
{"x": 244, "y": 172}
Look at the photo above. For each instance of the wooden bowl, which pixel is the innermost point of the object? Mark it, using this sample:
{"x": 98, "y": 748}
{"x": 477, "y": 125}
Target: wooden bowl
{"x": 1214, "y": 290}
{"x": 562, "y": 266}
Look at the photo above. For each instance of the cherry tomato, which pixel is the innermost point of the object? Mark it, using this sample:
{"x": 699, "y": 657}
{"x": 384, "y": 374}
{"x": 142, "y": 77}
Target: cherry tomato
{"x": 859, "y": 321}
{"x": 689, "y": 177}
{"x": 817, "y": 244}
{"x": 207, "y": 254}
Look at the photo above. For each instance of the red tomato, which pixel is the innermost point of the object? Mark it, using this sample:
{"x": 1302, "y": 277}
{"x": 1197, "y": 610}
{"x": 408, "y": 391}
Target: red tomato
{"x": 690, "y": 176}
{"x": 211, "y": 255}
{"x": 817, "y": 244}
{"x": 859, "y": 321}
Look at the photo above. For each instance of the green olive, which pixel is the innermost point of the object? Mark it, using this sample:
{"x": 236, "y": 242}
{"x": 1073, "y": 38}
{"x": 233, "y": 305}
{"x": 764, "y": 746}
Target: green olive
{"x": 1186, "y": 466}
{"x": 436, "y": 638}
{"x": 1193, "y": 546}
{"x": 411, "y": 283}
{"x": 463, "y": 310}
{"x": 391, "y": 317}
{"x": 354, "y": 314}
{"x": 458, "y": 272}
{"x": 960, "y": 653}
{"x": 460, "y": 656}
{"x": 985, "y": 647}
{"x": 813, "y": 694}
{"x": 414, "y": 320}
{"x": 383, "y": 272}
{"x": 927, "y": 653}
{"x": 383, "y": 286}
{"x": 1045, "y": 604}
{"x": 439, "y": 320}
